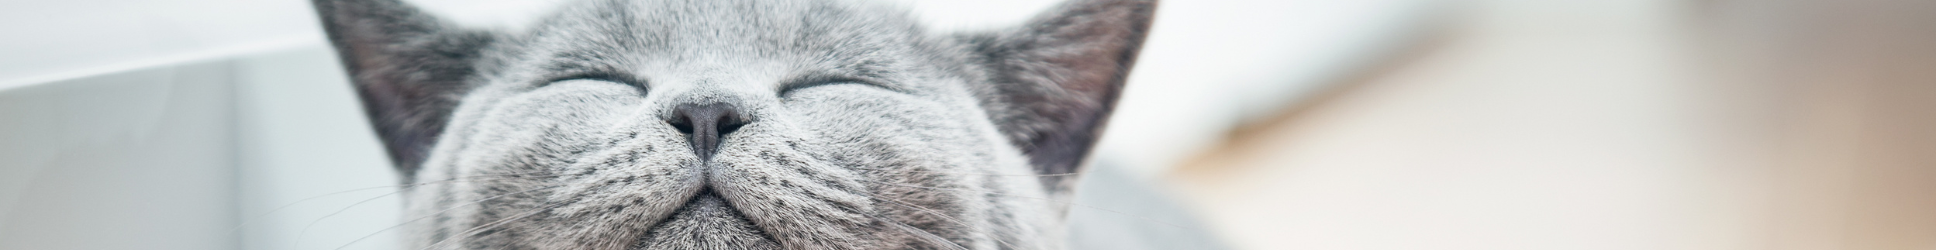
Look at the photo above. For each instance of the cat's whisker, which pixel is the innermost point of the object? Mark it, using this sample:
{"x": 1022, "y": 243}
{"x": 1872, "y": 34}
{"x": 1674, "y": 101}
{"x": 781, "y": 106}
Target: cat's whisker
{"x": 258, "y": 218}
{"x": 934, "y": 240}
{"x": 404, "y": 188}
{"x": 1044, "y": 199}
{"x": 480, "y": 228}
{"x": 439, "y": 213}
{"x": 969, "y": 173}
{"x": 948, "y": 218}
{"x": 305, "y": 230}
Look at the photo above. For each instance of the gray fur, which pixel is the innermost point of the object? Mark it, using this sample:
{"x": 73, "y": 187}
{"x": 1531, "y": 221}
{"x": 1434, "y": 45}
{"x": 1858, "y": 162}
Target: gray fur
{"x": 853, "y": 127}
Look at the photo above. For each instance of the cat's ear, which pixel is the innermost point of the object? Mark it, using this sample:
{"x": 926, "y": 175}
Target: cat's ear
{"x": 408, "y": 66}
{"x": 1053, "y": 82}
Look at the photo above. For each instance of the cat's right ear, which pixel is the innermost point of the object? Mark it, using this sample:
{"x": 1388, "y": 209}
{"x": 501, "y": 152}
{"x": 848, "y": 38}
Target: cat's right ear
{"x": 408, "y": 67}
{"x": 1053, "y": 82}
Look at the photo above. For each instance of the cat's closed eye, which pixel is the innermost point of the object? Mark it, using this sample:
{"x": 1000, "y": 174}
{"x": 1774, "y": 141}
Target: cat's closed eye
{"x": 603, "y": 78}
{"x": 788, "y": 89}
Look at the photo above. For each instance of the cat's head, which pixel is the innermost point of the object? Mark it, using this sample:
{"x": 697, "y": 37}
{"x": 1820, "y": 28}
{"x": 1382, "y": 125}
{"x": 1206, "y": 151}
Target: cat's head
{"x": 736, "y": 124}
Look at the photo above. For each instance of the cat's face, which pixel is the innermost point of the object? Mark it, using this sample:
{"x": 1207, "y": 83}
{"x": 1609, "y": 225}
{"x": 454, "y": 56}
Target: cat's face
{"x": 736, "y": 124}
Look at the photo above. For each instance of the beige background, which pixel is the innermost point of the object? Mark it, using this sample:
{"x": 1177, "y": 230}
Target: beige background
{"x": 1605, "y": 125}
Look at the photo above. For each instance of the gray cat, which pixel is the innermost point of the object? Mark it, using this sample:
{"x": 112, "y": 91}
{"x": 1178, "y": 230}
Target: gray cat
{"x": 736, "y": 124}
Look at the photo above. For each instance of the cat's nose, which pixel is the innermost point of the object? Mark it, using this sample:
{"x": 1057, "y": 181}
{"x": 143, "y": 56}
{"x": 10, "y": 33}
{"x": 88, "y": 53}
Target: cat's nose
{"x": 706, "y": 124}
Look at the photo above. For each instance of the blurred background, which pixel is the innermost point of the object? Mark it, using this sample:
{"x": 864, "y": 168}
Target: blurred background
{"x": 1282, "y": 124}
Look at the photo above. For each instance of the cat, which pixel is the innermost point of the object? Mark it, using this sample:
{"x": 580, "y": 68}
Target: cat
{"x": 736, "y": 124}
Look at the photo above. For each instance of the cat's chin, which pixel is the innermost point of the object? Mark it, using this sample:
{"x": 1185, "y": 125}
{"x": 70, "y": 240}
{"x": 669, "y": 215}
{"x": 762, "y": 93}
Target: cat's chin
{"x": 706, "y": 222}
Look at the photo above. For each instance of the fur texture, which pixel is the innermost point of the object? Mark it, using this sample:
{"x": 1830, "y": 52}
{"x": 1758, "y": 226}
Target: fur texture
{"x": 736, "y": 124}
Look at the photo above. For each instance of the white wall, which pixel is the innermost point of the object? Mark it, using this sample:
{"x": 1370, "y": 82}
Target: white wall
{"x": 313, "y": 173}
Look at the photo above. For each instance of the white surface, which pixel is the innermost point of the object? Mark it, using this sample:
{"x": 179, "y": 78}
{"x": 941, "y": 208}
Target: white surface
{"x": 130, "y": 160}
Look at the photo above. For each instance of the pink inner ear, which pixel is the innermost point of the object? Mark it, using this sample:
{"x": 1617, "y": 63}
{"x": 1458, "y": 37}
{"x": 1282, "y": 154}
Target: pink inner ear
{"x": 1094, "y": 43}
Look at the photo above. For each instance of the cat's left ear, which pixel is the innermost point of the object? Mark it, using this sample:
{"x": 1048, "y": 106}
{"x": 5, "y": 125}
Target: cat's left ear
{"x": 408, "y": 67}
{"x": 1053, "y": 82}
